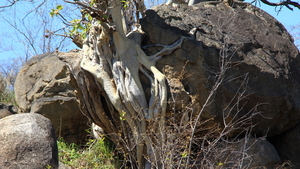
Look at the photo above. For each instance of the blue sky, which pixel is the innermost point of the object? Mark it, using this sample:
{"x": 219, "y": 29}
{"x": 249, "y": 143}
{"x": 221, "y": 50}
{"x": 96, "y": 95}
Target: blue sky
{"x": 287, "y": 17}
{"x": 12, "y": 47}
{"x": 33, "y": 20}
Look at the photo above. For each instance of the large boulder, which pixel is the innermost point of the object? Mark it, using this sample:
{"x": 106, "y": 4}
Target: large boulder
{"x": 27, "y": 141}
{"x": 287, "y": 145}
{"x": 45, "y": 85}
{"x": 248, "y": 152}
{"x": 239, "y": 62}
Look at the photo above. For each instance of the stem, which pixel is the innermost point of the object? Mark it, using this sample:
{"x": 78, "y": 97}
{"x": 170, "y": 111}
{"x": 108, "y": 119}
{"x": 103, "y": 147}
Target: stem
{"x": 115, "y": 12}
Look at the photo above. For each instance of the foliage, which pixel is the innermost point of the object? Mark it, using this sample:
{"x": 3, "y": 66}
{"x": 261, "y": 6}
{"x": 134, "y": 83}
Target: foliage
{"x": 26, "y": 25}
{"x": 7, "y": 97}
{"x": 56, "y": 11}
{"x": 175, "y": 144}
{"x": 77, "y": 28}
{"x": 148, "y": 139}
{"x": 94, "y": 154}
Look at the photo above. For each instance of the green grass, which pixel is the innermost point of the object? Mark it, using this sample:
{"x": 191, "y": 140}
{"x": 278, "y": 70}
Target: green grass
{"x": 95, "y": 154}
{"x": 7, "y": 97}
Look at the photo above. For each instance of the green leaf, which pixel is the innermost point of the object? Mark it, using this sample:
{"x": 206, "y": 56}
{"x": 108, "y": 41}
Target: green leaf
{"x": 73, "y": 31}
{"x": 59, "y": 7}
{"x": 89, "y": 17}
{"x": 122, "y": 115}
{"x": 52, "y": 13}
{"x": 220, "y": 164}
{"x": 184, "y": 154}
{"x": 56, "y": 11}
{"x": 93, "y": 2}
{"x": 75, "y": 21}
{"x": 125, "y": 3}
{"x": 81, "y": 27}
{"x": 83, "y": 36}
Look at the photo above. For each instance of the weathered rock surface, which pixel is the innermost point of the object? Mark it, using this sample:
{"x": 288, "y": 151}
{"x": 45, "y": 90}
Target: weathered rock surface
{"x": 11, "y": 108}
{"x": 63, "y": 166}
{"x": 45, "y": 86}
{"x": 251, "y": 153}
{"x": 4, "y": 113}
{"x": 7, "y": 110}
{"x": 97, "y": 131}
{"x": 287, "y": 145}
{"x": 262, "y": 63}
{"x": 261, "y": 80}
{"x": 27, "y": 141}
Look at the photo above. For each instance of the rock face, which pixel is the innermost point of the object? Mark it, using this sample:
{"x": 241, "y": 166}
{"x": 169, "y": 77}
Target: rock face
{"x": 4, "y": 113}
{"x": 250, "y": 53}
{"x": 7, "y": 110}
{"x": 238, "y": 63}
{"x": 45, "y": 86}
{"x": 27, "y": 141}
{"x": 249, "y": 153}
{"x": 261, "y": 152}
{"x": 287, "y": 145}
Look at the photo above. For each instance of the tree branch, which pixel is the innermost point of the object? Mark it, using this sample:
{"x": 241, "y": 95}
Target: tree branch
{"x": 99, "y": 12}
{"x": 29, "y": 40}
{"x": 11, "y": 4}
{"x": 283, "y": 3}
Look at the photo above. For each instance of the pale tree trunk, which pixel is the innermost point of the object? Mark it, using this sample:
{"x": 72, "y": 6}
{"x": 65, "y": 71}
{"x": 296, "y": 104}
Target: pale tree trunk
{"x": 116, "y": 60}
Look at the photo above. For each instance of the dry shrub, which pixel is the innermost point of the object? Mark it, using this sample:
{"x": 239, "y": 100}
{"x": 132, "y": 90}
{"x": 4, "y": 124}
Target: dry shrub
{"x": 8, "y": 73}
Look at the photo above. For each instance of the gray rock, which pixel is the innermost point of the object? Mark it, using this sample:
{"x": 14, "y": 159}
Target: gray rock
{"x": 97, "y": 131}
{"x": 251, "y": 153}
{"x": 4, "y": 113}
{"x": 7, "y": 110}
{"x": 63, "y": 166}
{"x": 263, "y": 63}
{"x": 248, "y": 152}
{"x": 11, "y": 108}
{"x": 45, "y": 85}
{"x": 27, "y": 141}
{"x": 288, "y": 147}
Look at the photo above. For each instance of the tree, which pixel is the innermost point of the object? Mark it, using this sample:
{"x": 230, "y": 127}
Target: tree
{"x": 33, "y": 37}
{"x": 281, "y": 4}
{"x": 116, "y": 61}
{"x": 26, "y": 31}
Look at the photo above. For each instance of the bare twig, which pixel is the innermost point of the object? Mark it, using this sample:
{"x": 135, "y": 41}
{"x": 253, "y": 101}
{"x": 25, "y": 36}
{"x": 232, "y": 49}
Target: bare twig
{"x": 99, "y": 12}
{"x": 11, "y": 4}
{"x": 34, "y": 10}
{"x": 282, "y": 3}
{"x": 29, "y": 40}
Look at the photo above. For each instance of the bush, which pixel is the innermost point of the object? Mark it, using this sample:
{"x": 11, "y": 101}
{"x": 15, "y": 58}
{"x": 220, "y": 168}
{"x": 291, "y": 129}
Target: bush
{"x": 95, "y": 154}
{"x": 7, "y": 97}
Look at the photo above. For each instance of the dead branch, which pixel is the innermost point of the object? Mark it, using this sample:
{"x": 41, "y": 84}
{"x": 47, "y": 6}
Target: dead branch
{"x": 286, "y": 3}
{"x": 11, "y": 4}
